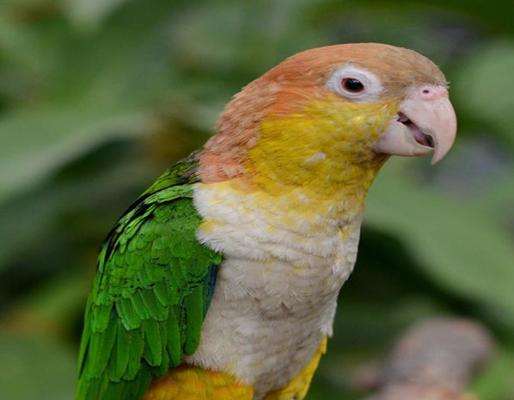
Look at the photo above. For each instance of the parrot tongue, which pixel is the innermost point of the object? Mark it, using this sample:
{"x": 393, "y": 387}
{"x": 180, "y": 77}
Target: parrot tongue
{"x": 420, "y": 137}
{"x": 426, "y": 122}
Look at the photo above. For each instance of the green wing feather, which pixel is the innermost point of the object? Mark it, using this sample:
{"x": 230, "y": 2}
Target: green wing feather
{"x": 150, "y": 294}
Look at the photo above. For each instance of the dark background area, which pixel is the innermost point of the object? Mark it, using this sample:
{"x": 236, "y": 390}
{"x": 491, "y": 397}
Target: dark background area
{"x": 98, "y": 97}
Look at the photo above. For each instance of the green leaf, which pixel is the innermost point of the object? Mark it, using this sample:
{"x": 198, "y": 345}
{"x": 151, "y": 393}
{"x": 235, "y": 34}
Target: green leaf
{"x": 56, "y": 135}
{"x": 456, "y": 243}
{"x": 480, "y": 81}
{"x": 32, "y": 368}
{"x": 496, "y": 381}
{"x": 89, "y": 14}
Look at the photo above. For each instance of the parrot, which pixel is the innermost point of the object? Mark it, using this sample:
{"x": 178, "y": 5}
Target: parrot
{"x": 221, "y": 280}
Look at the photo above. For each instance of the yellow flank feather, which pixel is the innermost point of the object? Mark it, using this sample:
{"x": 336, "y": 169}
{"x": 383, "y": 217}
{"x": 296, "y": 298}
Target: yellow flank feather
{"x": 325, "y": 149}
{"x": 298, "y": 387}
{"x": 192, "y": 383}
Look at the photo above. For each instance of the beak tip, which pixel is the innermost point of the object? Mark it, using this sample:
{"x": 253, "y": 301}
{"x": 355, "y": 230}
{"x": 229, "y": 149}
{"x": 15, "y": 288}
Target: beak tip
{"x": 435, "y": 159}
{"x": 438, "y": 156}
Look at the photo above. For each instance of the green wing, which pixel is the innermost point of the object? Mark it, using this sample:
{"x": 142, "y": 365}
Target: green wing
{"x": 150, "y": 294}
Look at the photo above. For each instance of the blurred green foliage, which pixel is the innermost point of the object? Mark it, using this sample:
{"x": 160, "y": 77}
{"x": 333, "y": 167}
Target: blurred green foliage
{"x": 97, "y": 97}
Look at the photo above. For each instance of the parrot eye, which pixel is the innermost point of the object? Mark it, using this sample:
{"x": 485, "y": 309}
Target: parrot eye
{"x": 355, "y": 84}
{"x": 352, "y": 85}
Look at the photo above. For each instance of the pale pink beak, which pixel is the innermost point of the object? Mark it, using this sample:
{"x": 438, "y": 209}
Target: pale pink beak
{"x": 426, "y": 122}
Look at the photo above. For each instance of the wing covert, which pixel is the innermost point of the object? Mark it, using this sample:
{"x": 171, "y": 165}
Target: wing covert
{"x": 150, "y": 294}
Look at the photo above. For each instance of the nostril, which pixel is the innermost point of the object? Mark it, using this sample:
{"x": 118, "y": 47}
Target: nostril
{"x": 426, "y": 92}
{"x": 431, "y": 92}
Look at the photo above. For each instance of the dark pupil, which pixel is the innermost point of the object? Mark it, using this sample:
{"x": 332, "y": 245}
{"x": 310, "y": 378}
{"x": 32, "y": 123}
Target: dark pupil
{"x": 353, "y": 85}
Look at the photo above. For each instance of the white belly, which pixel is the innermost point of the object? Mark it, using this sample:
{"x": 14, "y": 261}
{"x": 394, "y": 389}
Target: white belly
{"x": 276, "y": 290}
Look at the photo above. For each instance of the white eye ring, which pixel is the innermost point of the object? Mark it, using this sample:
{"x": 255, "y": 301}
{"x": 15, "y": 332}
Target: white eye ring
{"x": 372, "y": 87}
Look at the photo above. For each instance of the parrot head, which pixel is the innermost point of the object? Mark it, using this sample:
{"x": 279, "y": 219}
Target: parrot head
{"x": 329, "y": 117}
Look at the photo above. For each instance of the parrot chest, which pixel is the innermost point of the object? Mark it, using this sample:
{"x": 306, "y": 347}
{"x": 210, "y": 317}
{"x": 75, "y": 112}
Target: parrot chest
{"x": 276, "y": 291}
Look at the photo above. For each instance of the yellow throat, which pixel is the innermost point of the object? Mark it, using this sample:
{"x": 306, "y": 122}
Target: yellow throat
{"x": 324, "y": 151}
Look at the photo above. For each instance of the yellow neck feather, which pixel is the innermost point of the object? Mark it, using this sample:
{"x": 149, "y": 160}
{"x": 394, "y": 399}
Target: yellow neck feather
{"x": 325, "y": 151}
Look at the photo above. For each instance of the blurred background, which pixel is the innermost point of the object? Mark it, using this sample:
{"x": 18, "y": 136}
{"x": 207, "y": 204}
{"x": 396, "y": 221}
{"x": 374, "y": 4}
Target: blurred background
{"x": 98, "y": 97}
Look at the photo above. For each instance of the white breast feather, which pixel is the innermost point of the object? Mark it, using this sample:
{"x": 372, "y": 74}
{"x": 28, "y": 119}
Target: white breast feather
{"x": 277, "y": 288}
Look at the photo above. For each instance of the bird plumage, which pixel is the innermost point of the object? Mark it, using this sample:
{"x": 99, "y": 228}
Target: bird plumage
{"x": 221, "y": 280}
